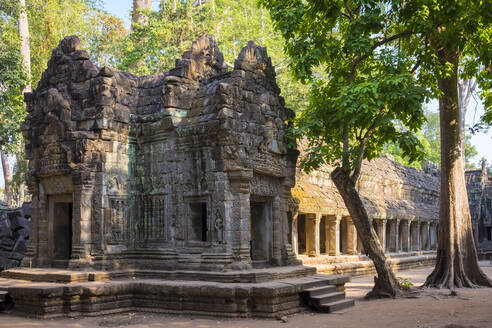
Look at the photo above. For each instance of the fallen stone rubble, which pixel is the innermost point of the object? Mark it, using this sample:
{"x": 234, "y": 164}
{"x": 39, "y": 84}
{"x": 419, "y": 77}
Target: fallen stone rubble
{"x": 14, "y": 235}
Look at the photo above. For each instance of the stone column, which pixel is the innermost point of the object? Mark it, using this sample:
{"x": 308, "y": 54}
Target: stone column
{"x": 334, "y": 235}
{"x": 424, "y": 236}
{"x": 317, "y": 222}
{"x": 351, "y": 237}
{"x": 394, "y": 235}
{"x": 405, "y": 236}
{"x": 416, "y": 235}
{"x": 311, "y": 234}
{"x": 381, "y": 232}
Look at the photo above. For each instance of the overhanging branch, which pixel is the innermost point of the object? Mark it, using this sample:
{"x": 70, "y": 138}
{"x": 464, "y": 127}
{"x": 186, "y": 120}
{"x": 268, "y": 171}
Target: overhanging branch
{"x": 358, "y": 59}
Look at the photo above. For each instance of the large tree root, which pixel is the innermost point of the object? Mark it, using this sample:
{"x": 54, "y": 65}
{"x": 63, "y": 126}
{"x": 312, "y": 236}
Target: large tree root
{"x": 380, "y": 290}
{"x": 449, "y": 278}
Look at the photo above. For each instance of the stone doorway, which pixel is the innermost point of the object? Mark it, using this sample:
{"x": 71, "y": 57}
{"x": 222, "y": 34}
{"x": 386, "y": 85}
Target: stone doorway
{"x": 61, "y": 210}
{"x": 322, "y": 236}
{"x": 301, "y": 234}
{"x": 261, "y": 232}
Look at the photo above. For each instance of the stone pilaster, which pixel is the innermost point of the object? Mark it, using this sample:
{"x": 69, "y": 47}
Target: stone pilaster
{"x": 43, "y": 256}
{"x": 81, "y": 221}
{"x": 277, "y": 217}
{"x": 240, "y": 214}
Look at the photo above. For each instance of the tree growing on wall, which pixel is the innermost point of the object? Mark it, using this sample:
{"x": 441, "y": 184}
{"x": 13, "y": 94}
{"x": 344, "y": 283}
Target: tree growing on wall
{"x": 382, "y": 59}
{"x": 29, "y": 30}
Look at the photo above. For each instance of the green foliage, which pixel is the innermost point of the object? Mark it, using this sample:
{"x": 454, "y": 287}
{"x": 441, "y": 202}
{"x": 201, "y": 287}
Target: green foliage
{"x": 404, "y": 283}
{"x": 12, "y": 78}
{"x": 364, "y": 98}
{"x": 381, "y": 61}
{"x": 51, "y": 21}
{"x": 429, "y": 137}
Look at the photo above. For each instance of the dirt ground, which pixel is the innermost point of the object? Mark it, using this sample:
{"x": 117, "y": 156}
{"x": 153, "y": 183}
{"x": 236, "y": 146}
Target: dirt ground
{"x": 432, "y": 308}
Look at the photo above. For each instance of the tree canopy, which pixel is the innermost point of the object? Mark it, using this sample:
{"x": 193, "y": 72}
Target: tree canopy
{"x": 378, "y": 66}
{"x": 381, "y": 60}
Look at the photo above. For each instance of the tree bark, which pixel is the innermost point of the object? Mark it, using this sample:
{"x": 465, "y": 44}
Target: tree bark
{"x": 457, "y": 262}
{"x": 7, "y": 178}
{"x": 385, "y": 284}
{"x": 465, "y": 90}
{"x": 22, "y": 185}
{"x": 25, "y": 49}
{"x": 138, "y": 5}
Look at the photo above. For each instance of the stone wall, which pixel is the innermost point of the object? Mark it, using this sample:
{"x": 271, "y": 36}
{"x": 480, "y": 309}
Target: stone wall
{"x": 403, "y": 204}
{"x": 14, "y": 235}
{"x": 189, "y": 169}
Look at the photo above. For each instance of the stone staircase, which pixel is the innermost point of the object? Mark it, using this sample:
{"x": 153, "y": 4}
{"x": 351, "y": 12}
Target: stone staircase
{"x": 326, "y": 299}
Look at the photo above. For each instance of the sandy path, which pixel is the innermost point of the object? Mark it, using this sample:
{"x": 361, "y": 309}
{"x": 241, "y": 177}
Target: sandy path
{"x": 434, "y": 308}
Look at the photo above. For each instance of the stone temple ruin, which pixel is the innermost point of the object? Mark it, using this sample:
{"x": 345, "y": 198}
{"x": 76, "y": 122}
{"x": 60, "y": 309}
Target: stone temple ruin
{"x": 161, "y": 171}
{"x": 402, "y": 203}
{"x": 177, "y": 192}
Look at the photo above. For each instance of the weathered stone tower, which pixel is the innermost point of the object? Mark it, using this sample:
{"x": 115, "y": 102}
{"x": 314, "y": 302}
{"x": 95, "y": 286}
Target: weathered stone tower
{"x": 186, "y": 169}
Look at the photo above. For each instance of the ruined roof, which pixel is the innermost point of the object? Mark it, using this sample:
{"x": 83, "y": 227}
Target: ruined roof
{"x": 388, "y": 190}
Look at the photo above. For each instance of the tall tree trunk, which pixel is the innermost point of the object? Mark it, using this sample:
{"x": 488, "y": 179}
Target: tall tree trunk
{"x": 457, "y": 263}
{"x": 7, "y": 178}
{"x": 385, "y": 284}
{"x": 465, "y": 90}
{"x": 25, "y": 51}
{"x": 139, "y": 5}
{"x": 22, "y": 184}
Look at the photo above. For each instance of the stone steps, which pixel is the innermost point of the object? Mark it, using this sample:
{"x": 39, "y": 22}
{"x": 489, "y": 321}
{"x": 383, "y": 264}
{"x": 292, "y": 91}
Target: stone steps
{"x": 336, "y": 306}
{"x": 326, "y": 299}
{"x": 268, "y": 299}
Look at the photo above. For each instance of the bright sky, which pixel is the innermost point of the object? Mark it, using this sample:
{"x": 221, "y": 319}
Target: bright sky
{"x": 122, "y": 8}
{"x": 482, "y": 141}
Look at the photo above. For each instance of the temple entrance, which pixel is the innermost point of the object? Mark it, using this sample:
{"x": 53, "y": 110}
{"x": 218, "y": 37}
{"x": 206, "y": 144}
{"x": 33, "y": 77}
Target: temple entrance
{"x": 322, "y": 236}
{"x": 62, "y": 230}
{"x": 61, "y": 208}
{"x": 261, "y": 232}
{"x": 301, "y": 234}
